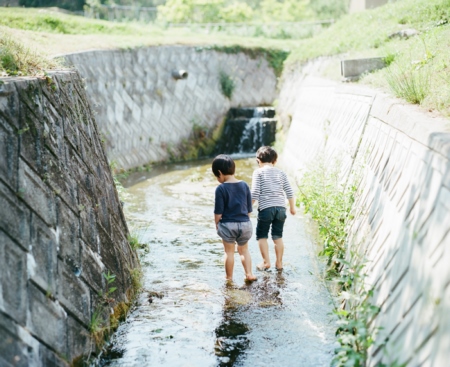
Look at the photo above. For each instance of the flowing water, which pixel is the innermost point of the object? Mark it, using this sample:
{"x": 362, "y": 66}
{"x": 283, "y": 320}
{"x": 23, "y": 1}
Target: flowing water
{"x": 187, "y": 314}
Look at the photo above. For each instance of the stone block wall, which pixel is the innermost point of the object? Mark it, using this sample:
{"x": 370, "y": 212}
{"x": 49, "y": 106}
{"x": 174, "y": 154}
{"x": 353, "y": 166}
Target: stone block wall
{"x": 144, "y": 113}
{"x": 402, "y": 220}
{"x": 61, "y": 223}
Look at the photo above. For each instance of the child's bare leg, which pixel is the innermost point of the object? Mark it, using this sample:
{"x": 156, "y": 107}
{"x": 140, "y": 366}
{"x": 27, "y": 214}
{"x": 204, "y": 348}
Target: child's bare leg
{"x": 279, "y": 251}
{"x": 264, "y": 248}
{"x": 229, "y": 259}
{"x": 246, "y": 261}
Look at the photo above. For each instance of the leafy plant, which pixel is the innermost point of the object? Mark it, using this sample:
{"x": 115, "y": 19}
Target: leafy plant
{"x": 227, "y": 84}
{"x": 133, "y": 240}
{"x": 329, "y": 204}
{"x": 110, "y": 278}
{"x": 354, "y": 333}
{"x": 97, "y": 327}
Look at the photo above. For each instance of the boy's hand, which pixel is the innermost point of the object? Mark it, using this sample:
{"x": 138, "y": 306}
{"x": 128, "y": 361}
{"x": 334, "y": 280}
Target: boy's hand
{"x": 292, "y": 206}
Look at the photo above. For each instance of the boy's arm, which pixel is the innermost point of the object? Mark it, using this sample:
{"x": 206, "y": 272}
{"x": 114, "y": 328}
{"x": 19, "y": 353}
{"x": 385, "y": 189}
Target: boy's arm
{"x": 289, "y": 193}
{"x": 218, "y": 206}
{"x": 217, "y": 218}
{"x": 292, "y": 206}
{"x": 256, "y": 183}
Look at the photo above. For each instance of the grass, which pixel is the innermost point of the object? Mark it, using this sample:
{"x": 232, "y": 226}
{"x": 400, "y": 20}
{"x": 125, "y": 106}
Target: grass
{"x": 17, "y": 59}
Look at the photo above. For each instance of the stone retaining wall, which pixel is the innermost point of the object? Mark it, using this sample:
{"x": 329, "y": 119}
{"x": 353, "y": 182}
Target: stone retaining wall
{"x": 61, "y": 223}
{"x": 403, "y": 202}
{"x": 144, "y": 113}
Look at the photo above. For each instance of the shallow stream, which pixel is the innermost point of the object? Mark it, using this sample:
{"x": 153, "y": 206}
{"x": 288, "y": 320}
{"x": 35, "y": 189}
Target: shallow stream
{"x": 187, "y": 314}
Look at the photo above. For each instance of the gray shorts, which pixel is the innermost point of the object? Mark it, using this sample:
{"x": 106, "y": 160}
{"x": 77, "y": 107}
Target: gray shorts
{"x": 232, "y": 232}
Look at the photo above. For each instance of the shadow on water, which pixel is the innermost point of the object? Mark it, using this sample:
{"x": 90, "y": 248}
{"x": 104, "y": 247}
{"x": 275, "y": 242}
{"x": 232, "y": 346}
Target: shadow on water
{"x": 232, "y": 334}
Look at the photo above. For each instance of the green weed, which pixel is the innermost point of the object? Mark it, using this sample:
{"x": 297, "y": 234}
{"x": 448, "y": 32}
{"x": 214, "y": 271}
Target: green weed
{"x": 354, "y": 316}
{"x": 133, "y": 240}
{"x": 411, "y": 84}
{"x": 227, "y": 84}
{"x": 329, "y": 204}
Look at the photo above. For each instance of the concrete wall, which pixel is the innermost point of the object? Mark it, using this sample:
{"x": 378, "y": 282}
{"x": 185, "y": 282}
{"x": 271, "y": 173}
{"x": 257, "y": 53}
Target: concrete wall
{"x": 144, "y": 113}
{"x": 360, "y": 5}
{"x": 61, "y": 224}
{"x": 402, "y": 220}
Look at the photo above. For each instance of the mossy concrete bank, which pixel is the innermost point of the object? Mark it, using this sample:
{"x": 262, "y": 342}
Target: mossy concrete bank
{"x": 399, "y": 157}
{"x": 147, "y": 115}
{"x": 61, "y": 224}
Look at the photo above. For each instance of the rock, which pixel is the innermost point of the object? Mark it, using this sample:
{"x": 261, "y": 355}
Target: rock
{"x": 405, "y": 33}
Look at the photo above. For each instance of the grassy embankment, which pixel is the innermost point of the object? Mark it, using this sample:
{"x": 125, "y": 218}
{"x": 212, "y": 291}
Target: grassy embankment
{"x": 419, "y": 67}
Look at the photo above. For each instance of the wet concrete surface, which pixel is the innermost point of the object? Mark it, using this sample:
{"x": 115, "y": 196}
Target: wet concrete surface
{"x": 188, "y": 315}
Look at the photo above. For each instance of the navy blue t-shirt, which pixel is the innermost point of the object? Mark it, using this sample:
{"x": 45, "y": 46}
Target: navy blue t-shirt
{"x": 233, "y": 201}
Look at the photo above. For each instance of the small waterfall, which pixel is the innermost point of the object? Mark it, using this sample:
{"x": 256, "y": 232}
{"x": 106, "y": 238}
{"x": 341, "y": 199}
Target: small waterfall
{"x": 246, "y": 129}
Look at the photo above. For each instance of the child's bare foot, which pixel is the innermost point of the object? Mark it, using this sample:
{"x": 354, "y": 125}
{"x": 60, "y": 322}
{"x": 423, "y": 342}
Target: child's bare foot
{"x": 279, "y": 266}
{"x": 250, "y": 278}
{"x": 263, "y": 266}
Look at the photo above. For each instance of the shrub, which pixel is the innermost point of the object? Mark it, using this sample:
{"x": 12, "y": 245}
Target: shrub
{"x": 227, "y": 84}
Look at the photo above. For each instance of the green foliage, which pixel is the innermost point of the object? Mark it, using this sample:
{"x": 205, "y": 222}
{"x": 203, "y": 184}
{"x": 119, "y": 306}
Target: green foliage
{"x": 287, "y": 10}
{"x": 236, "y": 12}
{"x": 200, "y": 144}
{"x": 325, "y": 9}
{"x": 354, "y": 334}
{"x": 133, "y": 240}
{"x": 274, "y": 57}
{"x": 233, "y": 11}
{"x": 110, "y": 278}
{"x": 227, "y": 84}
{"x": 389, "y": 59}
{"x": 55, "y": 22}
{"x": 329, "y": 204}
{"x": 63, "y": 4}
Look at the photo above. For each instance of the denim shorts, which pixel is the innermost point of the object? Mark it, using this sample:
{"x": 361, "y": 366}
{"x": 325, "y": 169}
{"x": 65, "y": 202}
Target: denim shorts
{"x": 273, "y": 216}
{"x": 232, "y": 232}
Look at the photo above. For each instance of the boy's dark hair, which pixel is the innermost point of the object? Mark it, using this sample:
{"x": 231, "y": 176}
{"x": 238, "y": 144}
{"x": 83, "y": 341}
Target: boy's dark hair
{"x": 266, "y": 154}
{"x": 224, "y": 164}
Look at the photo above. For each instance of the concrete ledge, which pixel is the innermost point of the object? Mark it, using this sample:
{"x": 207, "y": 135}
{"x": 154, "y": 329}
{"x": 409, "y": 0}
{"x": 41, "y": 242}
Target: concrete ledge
{"x": 353, "y": 69}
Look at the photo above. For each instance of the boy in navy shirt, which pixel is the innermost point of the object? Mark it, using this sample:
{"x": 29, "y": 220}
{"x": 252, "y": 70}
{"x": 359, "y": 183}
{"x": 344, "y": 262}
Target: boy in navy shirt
{"x": 232, "y": 207}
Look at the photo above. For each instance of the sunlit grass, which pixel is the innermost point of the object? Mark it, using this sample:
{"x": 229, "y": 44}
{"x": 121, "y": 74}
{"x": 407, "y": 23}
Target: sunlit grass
{"x": 16, "y": 59}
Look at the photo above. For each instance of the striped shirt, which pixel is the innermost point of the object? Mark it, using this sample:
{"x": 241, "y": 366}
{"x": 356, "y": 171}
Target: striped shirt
{"x": 269, "y": 186}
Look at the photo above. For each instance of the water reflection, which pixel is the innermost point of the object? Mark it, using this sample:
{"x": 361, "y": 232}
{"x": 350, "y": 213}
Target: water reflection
{"x": 231, "y": 339}
{"x": 232, "y": 335}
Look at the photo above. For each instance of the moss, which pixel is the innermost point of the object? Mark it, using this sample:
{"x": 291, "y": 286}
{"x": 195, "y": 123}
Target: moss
{"x": 274, "y": 57}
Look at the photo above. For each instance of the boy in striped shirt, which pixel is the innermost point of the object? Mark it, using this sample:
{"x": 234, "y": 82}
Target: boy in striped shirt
{"x": 270, "y": 187}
